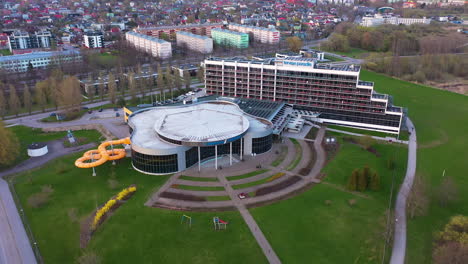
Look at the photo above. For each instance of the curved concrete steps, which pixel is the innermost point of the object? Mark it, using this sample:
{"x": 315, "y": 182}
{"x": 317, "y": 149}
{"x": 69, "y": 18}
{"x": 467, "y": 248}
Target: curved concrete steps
{"x": 194, "y": 205}
{"x": 197, "y": 193}
{"x": 198, "y": 183}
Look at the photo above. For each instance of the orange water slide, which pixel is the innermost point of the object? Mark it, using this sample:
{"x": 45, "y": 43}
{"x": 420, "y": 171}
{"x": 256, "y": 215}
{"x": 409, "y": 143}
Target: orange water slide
{"x": 96, "y": 157}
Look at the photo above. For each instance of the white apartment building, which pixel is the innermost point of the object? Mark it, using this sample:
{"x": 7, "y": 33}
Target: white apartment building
{"x": 263, "y": 35}
{"x": 20, "y": 63}
{"x": 379, "y": 20}
{"x": 154, "y": 46}
{"x": 194, "y": 42}
{"x": 93, "y": 40}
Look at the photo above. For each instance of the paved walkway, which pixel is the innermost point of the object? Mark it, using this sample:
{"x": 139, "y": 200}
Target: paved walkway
{"x": 14, "y": 242}
{"x": 399, "y": 242}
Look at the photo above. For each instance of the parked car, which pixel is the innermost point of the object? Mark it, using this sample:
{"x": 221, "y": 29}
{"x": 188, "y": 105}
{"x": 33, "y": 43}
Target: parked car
{"x": 53, "y": 114}
{"x": 100, "y": 109}
{"x": 90, "y": 111}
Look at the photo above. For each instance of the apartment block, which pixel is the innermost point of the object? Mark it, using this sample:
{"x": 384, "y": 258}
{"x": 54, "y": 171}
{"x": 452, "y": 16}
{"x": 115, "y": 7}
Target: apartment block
{"x": 334, "y": 92}
{"x": 93, "y": 40}
{"x": 20, "y": 63}
{"x": 260, "y": 34}
{"x": 194, "y": 42}
{"x": 24, "y": 40}
{"x": 154, "y": 46}
{"x": 372, "y": 21}
{"x": 199, "y": 29}
{"x": 230, "y": 38}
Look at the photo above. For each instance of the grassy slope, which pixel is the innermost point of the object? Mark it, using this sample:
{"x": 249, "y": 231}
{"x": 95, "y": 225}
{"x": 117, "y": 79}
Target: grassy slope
{"x": 441, "y": 120}
{"x": 134, "y": 233}
{"x": 304, "y": 228}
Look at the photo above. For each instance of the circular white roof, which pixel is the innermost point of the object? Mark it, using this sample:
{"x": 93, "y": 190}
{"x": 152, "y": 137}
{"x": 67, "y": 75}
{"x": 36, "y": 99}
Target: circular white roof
{"x": 201, "y": 123}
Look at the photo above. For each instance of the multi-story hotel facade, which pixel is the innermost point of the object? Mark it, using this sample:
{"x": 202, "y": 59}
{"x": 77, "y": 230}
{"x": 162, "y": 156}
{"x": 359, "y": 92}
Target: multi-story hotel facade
{"x": 154, "y": 46}
{"x": 335, "y": 93}
{"x": 230, "y": 38}
{"x": 194, "y": 42}
{"x": 263, "y": 35}
{"x": 199, "y": 29}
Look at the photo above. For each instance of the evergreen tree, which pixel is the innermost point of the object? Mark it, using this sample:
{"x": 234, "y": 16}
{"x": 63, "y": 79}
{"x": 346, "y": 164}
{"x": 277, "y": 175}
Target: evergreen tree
{"x": 10, "y": 146}
{"x": 374, "y": 182}
{"x": 353, "y": 180}
{"x": 14, "y": 102}
{"x": 27, "y": 101}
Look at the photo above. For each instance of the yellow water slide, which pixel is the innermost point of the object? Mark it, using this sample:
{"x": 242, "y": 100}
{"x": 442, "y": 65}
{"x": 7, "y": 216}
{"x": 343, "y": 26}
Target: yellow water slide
{"x": 96, "y": 157}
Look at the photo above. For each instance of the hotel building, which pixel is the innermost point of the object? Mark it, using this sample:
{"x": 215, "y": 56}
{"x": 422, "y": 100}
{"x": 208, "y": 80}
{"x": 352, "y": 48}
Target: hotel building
{"x": 195, "y": 42}
{"x": 335, "y": 93}
{"x": 24, "y": 40}
{"x": 154, "y": 46}
{"x": 230, "y": 38}
{"x": 199, "y": 29}
{"x": 263, "y": 35}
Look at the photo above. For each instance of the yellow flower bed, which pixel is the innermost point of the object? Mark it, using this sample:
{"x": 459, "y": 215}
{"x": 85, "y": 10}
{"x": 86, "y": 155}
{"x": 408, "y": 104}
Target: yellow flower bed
{"x": 110, "y": 204}
{"x": 276, "y": 176}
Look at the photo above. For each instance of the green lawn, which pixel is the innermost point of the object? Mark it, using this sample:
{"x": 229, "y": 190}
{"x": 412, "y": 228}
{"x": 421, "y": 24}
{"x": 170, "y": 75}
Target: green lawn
{"x": 305, "y": 227}
{"x": 297, "y": 157}
{"x": 247, "y": 175}
{"x": 283, "y": 152}
{"x": 5, "y": 52}
{"x": 441, "y": 120}
{"x": 134, "y": 233}
{"x": 28, "y": 135}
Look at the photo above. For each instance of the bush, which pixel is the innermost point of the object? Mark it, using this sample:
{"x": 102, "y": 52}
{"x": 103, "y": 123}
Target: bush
{"x": 363, "y": 179}
{"x": 374, "y": 184}
{"x": 328, "y": 202}
{"x": 47, "y": 189}
{"x": 352, "y": 202}
{"x": 353, "y": 180}
{"x": 38, "y": 200}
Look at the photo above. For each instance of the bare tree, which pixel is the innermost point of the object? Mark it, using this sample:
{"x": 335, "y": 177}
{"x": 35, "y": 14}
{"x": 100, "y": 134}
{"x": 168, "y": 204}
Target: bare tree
{"x": 102, "y": 86}
{"x": 132, "y": 87}
{"x": 27, "y": 101}
{"x": 187, "y": 79}
{"x": 111, "y": 88}
{"x": 10, "y": 146}
{"x": 160, "y": 82}
{"x": 3, "y": 105}
{"x": 169, "y": 81}
{"x": 418, "y": 199}
{"x": 14, "y": 102}
{"x": 447, "y": 191}
{"x": 40, "y": 94}
{"x": 69, "y": 95}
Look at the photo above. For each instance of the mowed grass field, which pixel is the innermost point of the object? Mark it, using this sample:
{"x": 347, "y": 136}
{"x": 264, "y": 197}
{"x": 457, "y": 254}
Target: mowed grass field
{"x": 441, "y": 120}
{"x": 134, "y": 233}
{"x": 307, "y": 227}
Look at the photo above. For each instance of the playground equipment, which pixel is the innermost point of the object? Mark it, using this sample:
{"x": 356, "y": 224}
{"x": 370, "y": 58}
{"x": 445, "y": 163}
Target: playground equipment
{"x": 70, "y": 137}
{"x": 219, "y": 224}
{"x": 102, "y": 154}
{"x": 187, "y": 219}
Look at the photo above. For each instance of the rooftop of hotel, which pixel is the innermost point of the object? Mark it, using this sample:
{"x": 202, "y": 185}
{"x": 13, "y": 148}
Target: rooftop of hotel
{"x": 255, "y": 27}
{"x": 191, "y": 35}
{"x": 228, "y": 31}
{"x": 136, "y": 34}
{"x": 180, "y": 26}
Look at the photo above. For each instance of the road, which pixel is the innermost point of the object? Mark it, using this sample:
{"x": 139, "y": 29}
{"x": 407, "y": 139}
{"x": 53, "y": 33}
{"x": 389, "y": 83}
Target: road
{"x": 399, "y": 242}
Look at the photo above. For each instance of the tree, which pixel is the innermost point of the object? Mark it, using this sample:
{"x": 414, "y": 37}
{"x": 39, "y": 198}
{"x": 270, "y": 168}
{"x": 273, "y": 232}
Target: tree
{"x": 363, "y": 179}
{"x": 294, "y": 43}
{"x": 121, "y": 102}
{"x": 9, "y": 143}
{"x": 132, "y": 87}
{"x": 91, "y": 91}
{"x": 102, "y": 86}
{"x": 112, "y": 88}
{"x": 27, "y": 101}
{"x": 53, "y": 87}
{"x": 69, "y": 93}
{"x": 353, "y": 180}
{"x": 201, "y": 74}
{"x": 169, "y": 80}
{"x": 447, "y": 191}
{"x": 160, "y": 82}
{"x": 374, "y": 184}
{"x": 187, "y": 79}
{"x": 3, "y": 104}
{"x": 177, "y": 80}
{"x": 40, "y": 94}
{"x": 14, "y": 102}
{"x": 451, "y": 244}
{"x": 418, "y": 200}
